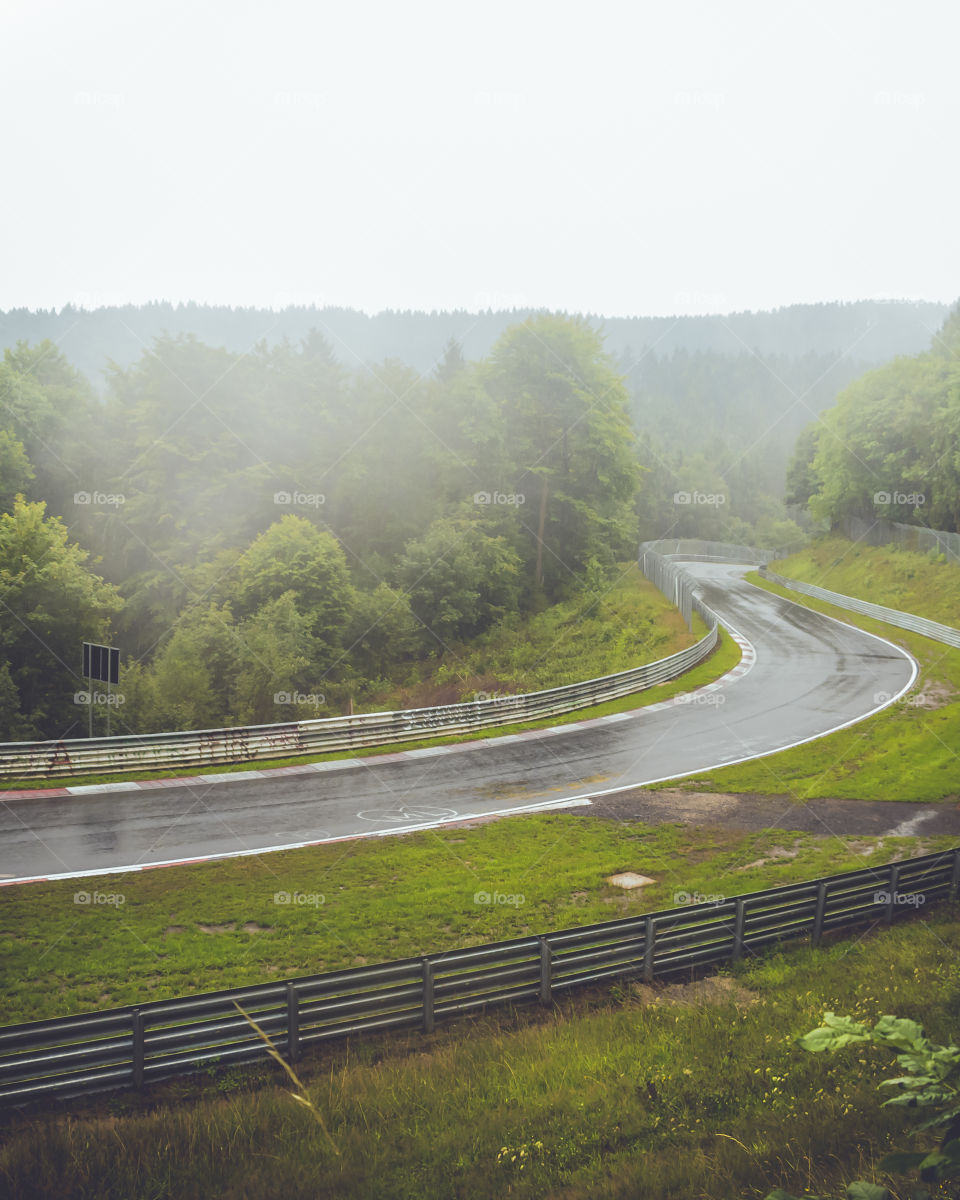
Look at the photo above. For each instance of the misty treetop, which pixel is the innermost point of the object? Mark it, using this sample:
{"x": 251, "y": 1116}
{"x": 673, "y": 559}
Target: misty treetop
{"x": 273, "y": 525}
{"x": 890, "y": 446}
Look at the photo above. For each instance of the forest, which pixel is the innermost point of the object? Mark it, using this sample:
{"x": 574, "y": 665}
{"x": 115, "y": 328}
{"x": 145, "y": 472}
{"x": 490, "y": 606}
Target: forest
{"x": 273, "y": 522}
{"x": 890, "y": 446}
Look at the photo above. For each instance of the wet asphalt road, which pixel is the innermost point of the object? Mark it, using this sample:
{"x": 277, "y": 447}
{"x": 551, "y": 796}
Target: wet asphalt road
{"x": 811, "y": 675}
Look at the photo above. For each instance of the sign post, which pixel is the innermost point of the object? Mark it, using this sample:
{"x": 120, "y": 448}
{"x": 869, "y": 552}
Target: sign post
{"x": 101, "y": 663}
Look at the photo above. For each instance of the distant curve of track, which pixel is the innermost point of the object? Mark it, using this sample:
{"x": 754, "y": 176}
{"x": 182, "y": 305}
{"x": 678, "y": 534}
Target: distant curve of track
{"x": 811, "y": 675}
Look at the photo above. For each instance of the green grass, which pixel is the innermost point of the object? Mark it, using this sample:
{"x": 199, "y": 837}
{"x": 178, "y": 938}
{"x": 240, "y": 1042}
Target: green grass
{"x": 908, "y": 752}
{"x": 629, "y": 624}
{"x": 644, "y": 1095}
{"x": 724, "y": 658}
{"x": 209, "y": 926}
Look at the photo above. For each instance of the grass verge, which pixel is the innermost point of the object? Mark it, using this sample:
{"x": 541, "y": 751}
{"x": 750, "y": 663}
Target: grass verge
{"x": 908, "y": 752}
{"x": 74, "y": 945}
{"x": 696, "y": 1091}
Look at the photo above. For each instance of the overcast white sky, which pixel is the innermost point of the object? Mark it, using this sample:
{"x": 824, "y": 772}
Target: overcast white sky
{"x": 621, "y": 158}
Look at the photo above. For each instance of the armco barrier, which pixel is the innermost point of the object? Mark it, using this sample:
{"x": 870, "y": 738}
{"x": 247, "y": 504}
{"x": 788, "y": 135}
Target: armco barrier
{"x": 209, "y": 747}
{"x": 133, "y": 1046}
{"x": 930, "y": 629}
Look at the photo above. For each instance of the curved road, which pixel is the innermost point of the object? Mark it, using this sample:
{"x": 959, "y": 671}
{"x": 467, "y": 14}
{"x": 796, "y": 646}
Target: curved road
{"x": 811, "y": 675}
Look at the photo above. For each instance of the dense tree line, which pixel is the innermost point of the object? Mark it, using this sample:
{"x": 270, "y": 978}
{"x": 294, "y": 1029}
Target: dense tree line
{"x": 890, "y": 446}
{"x": 868, "y": 331}
{"x": 274, "y": 525}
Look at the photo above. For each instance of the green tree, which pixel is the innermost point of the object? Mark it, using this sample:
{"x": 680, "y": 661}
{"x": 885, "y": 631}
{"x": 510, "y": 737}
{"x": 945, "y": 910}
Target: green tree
{"x": 15, "y": 469}
{"x": 459, "y": 579}
{"x": 51, "y": 603}
{"x": 569, "y": 446}
{"x": 294, "y": 556}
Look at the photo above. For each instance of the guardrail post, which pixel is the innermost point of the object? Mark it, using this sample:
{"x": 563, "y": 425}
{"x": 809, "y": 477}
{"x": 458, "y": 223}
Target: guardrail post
{"x": 741, "y": 909}
{"x": 649, "y": 939}
{"x": 546, "y": 972}
{"x": 819, "y": 914}
{"x": 955, "y": 877}
{"x": 138, "y": 1048}
{"x": 427, "y": 996}
{"x": 892, "y": 896}
{"x": 293, "y": 1023}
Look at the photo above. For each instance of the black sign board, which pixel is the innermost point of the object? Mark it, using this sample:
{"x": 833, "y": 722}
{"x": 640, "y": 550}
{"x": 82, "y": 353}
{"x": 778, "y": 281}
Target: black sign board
{"x": 101, "y": 662}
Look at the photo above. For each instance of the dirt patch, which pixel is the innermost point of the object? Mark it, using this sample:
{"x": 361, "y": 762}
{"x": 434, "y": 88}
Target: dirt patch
{"x": 253, "y": 927}
{"x": 229, "y": 928}
{"x": 173, "y": 929}
{"x": 774, "y": 854}
{"x": 712, "y": 989}
{"x": 931, "y": 695}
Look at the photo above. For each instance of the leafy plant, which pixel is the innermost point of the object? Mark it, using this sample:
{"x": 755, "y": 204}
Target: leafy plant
{"x": 930, "y": 1081}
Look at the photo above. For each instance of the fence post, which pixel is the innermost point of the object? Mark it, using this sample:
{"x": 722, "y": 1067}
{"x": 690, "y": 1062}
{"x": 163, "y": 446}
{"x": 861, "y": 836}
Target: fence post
{"x": 892, "y": 895}
{"x": 820, "y": 912}
{"x": 427, "y": 996}
{"x": 741, "y": 909}
{"x": 293, "y": 1023}
{"x": 138, "y": 1048}
{"x": 955, "y": 878}
{"x": 649, "y": 938}
{"x": 546, "y": 972}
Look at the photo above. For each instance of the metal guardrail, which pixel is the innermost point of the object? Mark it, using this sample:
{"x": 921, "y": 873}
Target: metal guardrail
{"x": 918, "y": 538}
{"x": 136, "y": 1045}
{"x": 209, "y": 747}
{"x": 915, "y": 624}
{"x": 702, "y": 550}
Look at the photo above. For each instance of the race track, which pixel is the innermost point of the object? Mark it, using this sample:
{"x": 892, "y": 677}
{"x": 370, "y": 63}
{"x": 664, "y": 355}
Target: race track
{"x": 811, "y": 675}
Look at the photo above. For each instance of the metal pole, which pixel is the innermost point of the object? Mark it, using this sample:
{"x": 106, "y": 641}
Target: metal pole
{"x": 108, "y": 704}
{"x": 90, "y": 702}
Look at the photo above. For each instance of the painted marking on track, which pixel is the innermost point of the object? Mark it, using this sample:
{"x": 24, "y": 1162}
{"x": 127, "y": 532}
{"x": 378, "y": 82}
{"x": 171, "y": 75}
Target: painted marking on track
{"x": 408, "y": 812}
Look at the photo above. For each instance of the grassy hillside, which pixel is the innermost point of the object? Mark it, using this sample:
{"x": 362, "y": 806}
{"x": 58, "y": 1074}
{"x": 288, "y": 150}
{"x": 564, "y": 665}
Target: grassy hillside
{"x": 696, "y": 1090}
{"x": 928, "y": 585}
